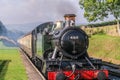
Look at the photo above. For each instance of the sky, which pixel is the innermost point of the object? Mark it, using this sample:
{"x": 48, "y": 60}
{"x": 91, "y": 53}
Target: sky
{"x": 30, "y": 11}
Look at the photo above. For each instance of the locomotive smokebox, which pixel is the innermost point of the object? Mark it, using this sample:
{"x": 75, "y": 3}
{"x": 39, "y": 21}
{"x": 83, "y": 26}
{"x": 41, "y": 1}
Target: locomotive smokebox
{"x": 69, "y": 20}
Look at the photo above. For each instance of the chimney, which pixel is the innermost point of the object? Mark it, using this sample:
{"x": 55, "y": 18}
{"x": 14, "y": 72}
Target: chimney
{"x": 69, "y": 20}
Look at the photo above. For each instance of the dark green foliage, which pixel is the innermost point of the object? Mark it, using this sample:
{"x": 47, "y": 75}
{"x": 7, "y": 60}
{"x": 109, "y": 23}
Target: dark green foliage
{"x": 103, "y": 24}
{"x": 99, "y": 9}
{"x": 94, "y": 9}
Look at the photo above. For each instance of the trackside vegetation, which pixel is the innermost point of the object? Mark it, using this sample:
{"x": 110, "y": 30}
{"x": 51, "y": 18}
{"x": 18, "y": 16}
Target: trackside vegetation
{"x": 105, "y": 47}
{"x": 100, "y": 9}
{"x": 102, "y": 24}
{"x": 11, "y": 66}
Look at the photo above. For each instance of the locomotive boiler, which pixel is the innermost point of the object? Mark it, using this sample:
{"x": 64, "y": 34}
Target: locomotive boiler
{"x": 60, "y": 51}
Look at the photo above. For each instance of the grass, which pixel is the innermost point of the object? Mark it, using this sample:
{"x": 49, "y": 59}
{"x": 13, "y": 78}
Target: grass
{"x": 11, "y": 66}
{"x": 2, "y": 46}
{"x": 104, "y": 46}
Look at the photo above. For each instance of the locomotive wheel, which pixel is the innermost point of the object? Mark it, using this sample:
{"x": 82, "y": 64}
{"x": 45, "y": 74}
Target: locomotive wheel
{"x": 101, "y": 76}
{"x": 60, "y": 76}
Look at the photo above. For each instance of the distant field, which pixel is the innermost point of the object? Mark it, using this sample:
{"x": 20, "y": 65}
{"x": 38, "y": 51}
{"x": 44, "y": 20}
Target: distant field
{"x": 105, "y": 47}
{"x": 11, "y": 66}
{"x": 2, "y": 46}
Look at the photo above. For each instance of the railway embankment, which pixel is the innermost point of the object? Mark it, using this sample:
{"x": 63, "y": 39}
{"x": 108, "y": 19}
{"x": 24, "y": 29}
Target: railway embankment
{"x": 105, "y": 47}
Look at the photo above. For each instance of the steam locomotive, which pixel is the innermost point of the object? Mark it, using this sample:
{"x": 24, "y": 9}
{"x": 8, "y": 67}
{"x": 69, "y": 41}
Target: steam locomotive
{"x": 59, "y": 50}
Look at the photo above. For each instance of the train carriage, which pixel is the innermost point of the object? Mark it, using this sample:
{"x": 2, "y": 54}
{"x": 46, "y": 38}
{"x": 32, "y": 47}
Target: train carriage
{"x": 25, "y": 43}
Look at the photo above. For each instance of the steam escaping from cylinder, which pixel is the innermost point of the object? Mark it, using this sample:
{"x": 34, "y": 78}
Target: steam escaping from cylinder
{"x": 6, "y": 38}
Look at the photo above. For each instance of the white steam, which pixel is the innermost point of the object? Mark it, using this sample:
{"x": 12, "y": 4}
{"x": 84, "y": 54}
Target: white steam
{"x": 8, "y": 39}
{"x": 27, "y": 11}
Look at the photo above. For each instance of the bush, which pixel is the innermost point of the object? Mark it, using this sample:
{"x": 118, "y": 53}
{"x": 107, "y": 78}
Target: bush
{"x": 102, "y": 24}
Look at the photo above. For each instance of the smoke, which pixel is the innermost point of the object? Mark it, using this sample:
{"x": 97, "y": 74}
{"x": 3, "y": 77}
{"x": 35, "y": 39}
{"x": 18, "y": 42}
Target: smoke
{"x": 28, "y": 11}
{"x": 47, "y": 10}
{"x": 55, "y": 9}
{"x": 6, "y": 38}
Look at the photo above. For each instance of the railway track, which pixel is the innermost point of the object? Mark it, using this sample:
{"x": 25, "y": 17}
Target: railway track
{"x": 32, "y": 72}
{"x": 113, "y": 68}
{"x": 35, "y": 74}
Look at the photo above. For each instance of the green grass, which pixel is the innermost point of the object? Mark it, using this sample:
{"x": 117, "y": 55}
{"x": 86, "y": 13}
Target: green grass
{"x": 104, "y": 46}
{"x": 2, "y": 46}
{"x": 11, "y": 66}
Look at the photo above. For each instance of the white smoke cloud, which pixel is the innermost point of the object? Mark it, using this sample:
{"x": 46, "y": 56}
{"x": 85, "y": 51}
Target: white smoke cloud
{"x": 27, "y": 11}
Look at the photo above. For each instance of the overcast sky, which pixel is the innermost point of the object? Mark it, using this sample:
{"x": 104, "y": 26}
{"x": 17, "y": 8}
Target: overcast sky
{"x": 30, "y": 11}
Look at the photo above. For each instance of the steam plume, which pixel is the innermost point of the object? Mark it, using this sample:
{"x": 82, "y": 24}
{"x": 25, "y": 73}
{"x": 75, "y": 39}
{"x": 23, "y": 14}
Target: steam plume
{"x": 28, "y": 11}
{"x": 6, "y": 38}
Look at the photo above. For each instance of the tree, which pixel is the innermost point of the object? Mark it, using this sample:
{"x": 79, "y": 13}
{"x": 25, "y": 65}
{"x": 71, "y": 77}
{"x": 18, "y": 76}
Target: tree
{"x": 113, "y": 7}
{"x": 99, "y": 9}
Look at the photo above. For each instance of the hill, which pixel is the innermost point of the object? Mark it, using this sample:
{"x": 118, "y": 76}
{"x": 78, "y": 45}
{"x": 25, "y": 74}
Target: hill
{"x": 3, "y": 30}
{"x": 105, "y": 47}
{"x": 8, "y": 35}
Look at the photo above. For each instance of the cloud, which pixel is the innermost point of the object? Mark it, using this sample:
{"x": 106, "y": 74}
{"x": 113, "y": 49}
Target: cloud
{"x": 27, "y": 11}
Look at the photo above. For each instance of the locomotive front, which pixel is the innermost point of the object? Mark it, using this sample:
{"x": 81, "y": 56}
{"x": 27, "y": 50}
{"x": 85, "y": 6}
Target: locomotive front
{"x": 69, "y": 59}
{"x": 70, "y": 40}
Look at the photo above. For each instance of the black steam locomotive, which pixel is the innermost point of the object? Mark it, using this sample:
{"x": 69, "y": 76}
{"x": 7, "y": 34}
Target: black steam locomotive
{"x": 60, "y": 51}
